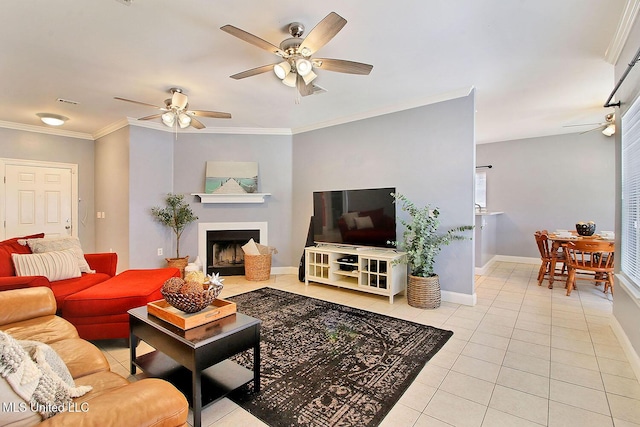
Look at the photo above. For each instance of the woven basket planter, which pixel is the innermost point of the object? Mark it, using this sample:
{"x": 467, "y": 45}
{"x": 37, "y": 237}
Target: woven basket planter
{"x": 179, "y": 263}
{"x": 423, "y": 292}
{"x": 257, "y": 267}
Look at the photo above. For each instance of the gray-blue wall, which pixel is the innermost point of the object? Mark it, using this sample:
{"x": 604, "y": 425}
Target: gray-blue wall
{"x": 550, "y": 183}
{"x": 18, "y": 144}
{"x": 273, "y": 155}
{"x": 626, "y": 304}
{"x": 427, "y": 153}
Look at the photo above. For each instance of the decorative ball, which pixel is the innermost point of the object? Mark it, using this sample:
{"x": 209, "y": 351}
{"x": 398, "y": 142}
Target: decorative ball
{"x": 173, "y": 285}
{"x": 586, "y": 228}
{"x": 192, "y": 288}
{"x": 195, "y": 276}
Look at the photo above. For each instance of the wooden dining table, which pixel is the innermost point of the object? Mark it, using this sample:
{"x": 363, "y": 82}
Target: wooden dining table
{"x": 558, "y": 241}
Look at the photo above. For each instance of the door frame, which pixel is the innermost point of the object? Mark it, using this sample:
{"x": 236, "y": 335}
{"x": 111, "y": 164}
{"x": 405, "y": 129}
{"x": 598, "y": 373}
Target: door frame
{"x": 37, "y": 163}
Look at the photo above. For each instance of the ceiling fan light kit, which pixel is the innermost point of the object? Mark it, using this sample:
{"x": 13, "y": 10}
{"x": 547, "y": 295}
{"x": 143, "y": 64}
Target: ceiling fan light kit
{"x": 290, "y": 80}
{"x": 52, "y": 119}
{"x": 609, "y": 130}
{"x": 297, "y": 68}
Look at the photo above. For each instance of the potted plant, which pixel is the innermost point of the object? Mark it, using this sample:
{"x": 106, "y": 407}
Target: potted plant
{"x": 422, "y": 243}
{"x": 176, "y": 214}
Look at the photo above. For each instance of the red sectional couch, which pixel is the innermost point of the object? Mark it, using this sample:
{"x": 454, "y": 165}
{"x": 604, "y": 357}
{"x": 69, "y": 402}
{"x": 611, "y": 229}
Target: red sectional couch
{"x": 103, "y": 263}
{"x": 97, "y": 302}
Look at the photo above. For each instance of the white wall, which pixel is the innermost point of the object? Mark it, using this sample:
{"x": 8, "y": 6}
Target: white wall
{"x": 548, "y": 183}
{"x": 427, "y": 153}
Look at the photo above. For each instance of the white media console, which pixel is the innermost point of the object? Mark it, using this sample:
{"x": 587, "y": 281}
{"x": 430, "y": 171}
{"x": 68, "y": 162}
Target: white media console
{"x": 374, "y": 270}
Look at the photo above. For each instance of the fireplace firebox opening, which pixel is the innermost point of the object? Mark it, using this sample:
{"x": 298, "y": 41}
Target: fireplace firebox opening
{"x": 224, "y": 250}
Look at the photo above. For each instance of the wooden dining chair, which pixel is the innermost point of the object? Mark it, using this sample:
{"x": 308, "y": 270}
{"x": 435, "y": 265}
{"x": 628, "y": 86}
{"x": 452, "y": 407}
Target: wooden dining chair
{"x": 591, "y": 257}
{"x": 546, "y": 256}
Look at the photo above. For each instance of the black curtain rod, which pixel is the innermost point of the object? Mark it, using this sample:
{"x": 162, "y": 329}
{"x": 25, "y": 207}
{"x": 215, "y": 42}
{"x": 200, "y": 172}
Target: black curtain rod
{"x": 624, "y": 76}
{"x": 487, "y": 166}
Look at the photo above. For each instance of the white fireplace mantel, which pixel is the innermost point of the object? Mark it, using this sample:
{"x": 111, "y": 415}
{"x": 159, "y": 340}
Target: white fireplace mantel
{"x": 232, "y": 198}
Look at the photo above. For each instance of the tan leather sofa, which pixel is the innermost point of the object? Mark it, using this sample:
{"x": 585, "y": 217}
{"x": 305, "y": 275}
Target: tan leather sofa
{"x": 29, "y": 314}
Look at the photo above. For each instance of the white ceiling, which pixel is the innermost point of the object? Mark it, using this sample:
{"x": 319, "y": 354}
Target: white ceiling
{"x": 536, "y": 65}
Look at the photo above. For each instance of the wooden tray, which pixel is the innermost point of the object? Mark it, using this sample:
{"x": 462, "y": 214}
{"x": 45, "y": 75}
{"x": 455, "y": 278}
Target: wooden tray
{"x": 218, "y": 309}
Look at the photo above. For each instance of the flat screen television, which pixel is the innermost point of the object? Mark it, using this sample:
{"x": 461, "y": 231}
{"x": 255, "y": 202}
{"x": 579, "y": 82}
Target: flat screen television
{"x": 365, "y": 217}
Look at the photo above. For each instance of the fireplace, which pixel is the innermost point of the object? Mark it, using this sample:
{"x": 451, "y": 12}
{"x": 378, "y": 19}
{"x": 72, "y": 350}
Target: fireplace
{"x": 220, "y": 245}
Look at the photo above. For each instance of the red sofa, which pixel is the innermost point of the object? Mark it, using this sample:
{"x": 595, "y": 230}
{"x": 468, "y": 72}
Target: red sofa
{"x": 96, "y": 303}
{"x": 103, "y": 263}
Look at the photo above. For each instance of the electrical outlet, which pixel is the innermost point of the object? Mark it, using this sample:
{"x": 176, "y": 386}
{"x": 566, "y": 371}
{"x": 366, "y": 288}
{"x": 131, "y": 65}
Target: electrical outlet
{"x": 159, "y": 251}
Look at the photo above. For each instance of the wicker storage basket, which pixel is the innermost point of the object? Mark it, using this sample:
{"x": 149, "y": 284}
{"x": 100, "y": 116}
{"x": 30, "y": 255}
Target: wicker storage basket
{"x": 257, "y": 267}
{"x": 423, "y": 292}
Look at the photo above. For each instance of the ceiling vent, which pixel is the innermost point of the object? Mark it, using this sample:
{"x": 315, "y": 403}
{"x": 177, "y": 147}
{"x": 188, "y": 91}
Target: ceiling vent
{"x": 67, "y": 101}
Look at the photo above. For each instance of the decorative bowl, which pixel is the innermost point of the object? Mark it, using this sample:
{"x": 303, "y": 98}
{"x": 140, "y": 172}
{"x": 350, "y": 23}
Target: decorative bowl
{"x": 193, "y": 302}
{"x": 586, "y": 229}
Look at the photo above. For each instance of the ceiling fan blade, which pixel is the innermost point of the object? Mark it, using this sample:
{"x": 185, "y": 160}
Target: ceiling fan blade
{"x": 254, "y": 40}
{"x": 591, "y": 130}
{"x": 151, "y": 117}
{"x": 253, "y": 72}
{"x": 138, "y": 102}
{"x": 584, "y": 124}
{"x": 196, "y": 123}
{"x": 323, "y": 32}
{"x": 212, "y": 114}
{"x": 343, "y": 66}
{"x": 303, "y": 88}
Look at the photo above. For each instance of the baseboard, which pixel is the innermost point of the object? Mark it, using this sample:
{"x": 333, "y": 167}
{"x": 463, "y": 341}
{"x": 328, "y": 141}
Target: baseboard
{"x": 481, "y": 271}
{"x": 284, "y": 270}
{"x": 629, "y": 351}
{"x": 458, "y": 298}
{"x": 454, "y": 297}
{"x": 518, "y": 259}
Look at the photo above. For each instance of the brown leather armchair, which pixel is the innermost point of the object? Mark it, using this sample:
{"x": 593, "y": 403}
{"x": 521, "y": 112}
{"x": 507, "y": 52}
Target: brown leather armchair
{"x": 29, "y": 314}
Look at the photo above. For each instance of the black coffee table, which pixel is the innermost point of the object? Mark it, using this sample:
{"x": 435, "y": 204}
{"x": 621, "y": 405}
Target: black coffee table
{"x": 195, "y": 360}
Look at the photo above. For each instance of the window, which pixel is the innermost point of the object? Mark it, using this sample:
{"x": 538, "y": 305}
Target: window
{"x": 630, "y": 215}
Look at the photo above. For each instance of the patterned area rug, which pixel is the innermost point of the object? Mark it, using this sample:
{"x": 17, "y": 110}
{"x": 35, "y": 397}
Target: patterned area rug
{"x": 325, "y": 364}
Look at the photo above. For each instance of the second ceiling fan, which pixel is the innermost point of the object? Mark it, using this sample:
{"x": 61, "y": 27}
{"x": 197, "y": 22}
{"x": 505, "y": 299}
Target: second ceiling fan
{"x": 176, "y": 111}
{"x": 296, "y": 67}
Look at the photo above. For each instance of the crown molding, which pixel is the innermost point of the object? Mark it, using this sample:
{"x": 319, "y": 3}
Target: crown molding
{"x": 622, "y": 32}
{"x": 215, "y": 130}
{"x": 46, "y": 130}
{"x": 420, "y": 102}
{"x": 129, "y": 121}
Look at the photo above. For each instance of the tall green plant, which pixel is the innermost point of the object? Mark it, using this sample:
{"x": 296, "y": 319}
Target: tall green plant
{"x": 421, "y": 240}
{"x": 176, "y": 215}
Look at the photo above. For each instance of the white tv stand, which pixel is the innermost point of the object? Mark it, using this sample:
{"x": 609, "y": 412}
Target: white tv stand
{"x": 370, "y": 269}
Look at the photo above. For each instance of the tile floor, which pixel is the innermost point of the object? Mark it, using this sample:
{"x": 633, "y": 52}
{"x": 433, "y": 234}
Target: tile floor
{"x": 523, "y": 356}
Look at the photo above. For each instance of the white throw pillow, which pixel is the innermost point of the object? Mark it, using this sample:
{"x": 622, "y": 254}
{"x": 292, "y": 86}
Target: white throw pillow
{"x": 56, "y": 265}
{"x": 363, "y": 222}
{"x": 49, "y": 244}
{"x": 350, "y": 219}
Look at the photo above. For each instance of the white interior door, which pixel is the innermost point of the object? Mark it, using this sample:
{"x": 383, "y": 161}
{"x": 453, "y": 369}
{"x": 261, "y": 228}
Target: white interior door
{"x": 39, "y": 198}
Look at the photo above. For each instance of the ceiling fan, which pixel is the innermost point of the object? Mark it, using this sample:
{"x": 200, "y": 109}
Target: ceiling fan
{"x": 296, "y": 67}
{"x": 176, "y": 111}
{"x": 608, "y": 127}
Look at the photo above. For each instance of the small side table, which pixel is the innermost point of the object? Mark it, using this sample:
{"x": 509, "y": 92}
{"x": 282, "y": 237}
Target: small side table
{"x": 195, "y": 360}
